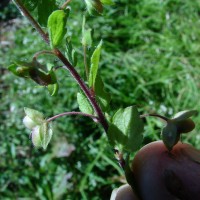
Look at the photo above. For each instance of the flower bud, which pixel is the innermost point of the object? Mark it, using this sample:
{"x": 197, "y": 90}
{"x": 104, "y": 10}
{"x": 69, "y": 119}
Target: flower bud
{"x": 35, "y": 137}
{"x": 36, "y": 116}
{"x": 29, "y": 123}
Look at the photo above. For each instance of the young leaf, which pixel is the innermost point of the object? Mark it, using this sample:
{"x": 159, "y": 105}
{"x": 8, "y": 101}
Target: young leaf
{"x": 53, "y": 89}
{"x": 35, "y": 137}
{"x": 94, "y": 65}
{"x": 84, "y": 104}
{"x": 46, "y": 132}
{"x": 70, "y": 53}
{"x": 170, "y": 135}
{"x": 128, "y": 121}
{"x": 116, "y": 137}
{"x": 21, "y": 69}
{"x": 103, "y": 98}
{"x": 34, "y": 115}
{"x": 86, "y": 35}
{"x": 56, "y": 26}
{"x": 41, "y": 135}
{"x": 87, "y": 38}
{"x": 33, "y": 70}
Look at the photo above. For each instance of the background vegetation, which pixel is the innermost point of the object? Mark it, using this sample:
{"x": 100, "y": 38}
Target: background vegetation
{"x": 150, "y": 58}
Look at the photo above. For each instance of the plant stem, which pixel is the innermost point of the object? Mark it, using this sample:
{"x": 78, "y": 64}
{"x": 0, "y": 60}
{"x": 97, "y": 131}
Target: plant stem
{"x": 72, "y": 113}
{"x": 65, "y": 4}
{"x": 42, "y": 52}
{"x": 165, "y": 119}
{"x": 68, "y": 66}
{"x": 85, "y": 89}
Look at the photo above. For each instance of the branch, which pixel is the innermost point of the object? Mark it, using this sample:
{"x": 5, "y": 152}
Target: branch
{"x": 165, "y": 119}
{"x": 73, "y": 113}
{"x": 42, "y": 52}
{"x": 85, "y": 89}
{"x": 65, "y": 4}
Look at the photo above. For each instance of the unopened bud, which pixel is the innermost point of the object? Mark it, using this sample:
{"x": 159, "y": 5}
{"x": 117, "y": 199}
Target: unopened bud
{"x": 29, "y": 123}
{"x": 35, "y": 137}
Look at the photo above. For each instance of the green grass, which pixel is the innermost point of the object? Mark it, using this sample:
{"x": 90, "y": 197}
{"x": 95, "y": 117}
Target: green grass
{"x": 150, "y": 59}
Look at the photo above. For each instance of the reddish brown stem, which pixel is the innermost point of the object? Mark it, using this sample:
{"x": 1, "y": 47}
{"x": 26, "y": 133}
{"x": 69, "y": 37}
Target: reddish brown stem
{"x": 72, "y": 113}
{"x": 165, "y": 119}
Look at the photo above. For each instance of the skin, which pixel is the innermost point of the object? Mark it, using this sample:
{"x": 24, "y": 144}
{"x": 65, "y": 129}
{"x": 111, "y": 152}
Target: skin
{"x": 124, "y": 192}
{"x": 164, "y": 175}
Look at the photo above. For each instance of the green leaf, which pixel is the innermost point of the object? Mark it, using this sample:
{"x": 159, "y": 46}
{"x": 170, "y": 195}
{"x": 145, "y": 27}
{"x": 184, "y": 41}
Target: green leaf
{"x": 56, "y": 26}
{"x": 53, "y": 89}
{"x": 116, "y": 137}
{"x": 46, "y": 132}
{"x": 103, "y": 98}
{"x": 84, "y": 104}
{"x": 34, "y": 115}
{"x": 87, "y": 38}
{"x": 94, "y": 7}
{"x": 184, "y": 115}
{"x": 170, "y": 135}
{"x": 94, "y": 65}
{"x": 35, "y": 137}
{"x": 70, "y": 53}
{"x": 86, "y": 35}
{"x": 41, "y": 135}
{"x": 130, "y": 124}
{"x": 45, "y": 8}
{"x": 33, "y": 70}
{"x": 107, "y": 2}
{"x": 21, "y": 69}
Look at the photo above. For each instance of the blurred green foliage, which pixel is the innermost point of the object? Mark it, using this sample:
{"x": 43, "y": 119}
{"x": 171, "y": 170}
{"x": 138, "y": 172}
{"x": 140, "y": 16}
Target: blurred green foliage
{"x": 150, "y": 59}
{"x": 8, "y": 11}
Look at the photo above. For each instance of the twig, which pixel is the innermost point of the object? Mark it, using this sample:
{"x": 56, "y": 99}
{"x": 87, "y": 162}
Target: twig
{"x": 42, "y": 52}
{"x": 65, "y": 4}
{"x": 165, "y": 119}
{"x": 73, "y": 113}
{"x": 85, "y": 89}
